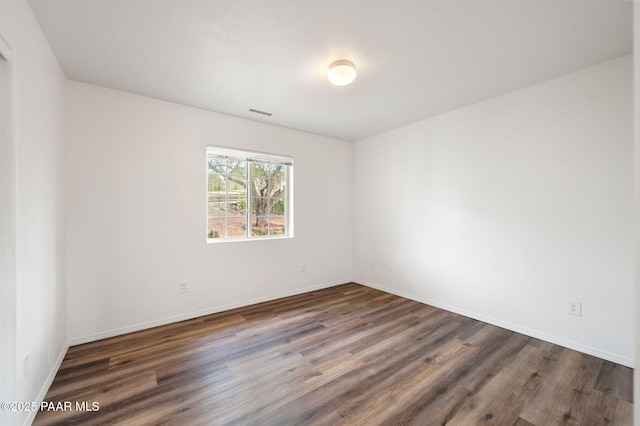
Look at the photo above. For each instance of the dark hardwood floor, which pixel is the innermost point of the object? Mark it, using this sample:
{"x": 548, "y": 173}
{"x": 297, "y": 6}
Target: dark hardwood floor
{"x": 346, "y": 355}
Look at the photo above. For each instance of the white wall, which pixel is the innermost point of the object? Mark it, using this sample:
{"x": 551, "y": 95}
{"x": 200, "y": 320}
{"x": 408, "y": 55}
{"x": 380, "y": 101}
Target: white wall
{"x": 40, "y": 253}
{"x": 136, "y": 214}
{"x": 505, "y": 209}
{"x": 636, "y": 86}
{"x": 7, "y": 225}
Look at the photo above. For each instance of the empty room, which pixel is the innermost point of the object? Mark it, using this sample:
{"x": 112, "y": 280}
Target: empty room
{"x": 318, "y": 212}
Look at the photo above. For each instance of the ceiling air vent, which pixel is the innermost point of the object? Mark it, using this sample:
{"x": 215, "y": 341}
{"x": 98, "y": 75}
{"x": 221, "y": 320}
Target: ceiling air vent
{"x": 257, "y": 111}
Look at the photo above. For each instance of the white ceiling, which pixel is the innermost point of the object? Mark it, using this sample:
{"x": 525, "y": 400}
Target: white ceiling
{"x": 415, "y": 58}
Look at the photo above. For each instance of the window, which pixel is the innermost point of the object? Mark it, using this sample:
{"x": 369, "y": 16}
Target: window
{"x": 248, "y": 195}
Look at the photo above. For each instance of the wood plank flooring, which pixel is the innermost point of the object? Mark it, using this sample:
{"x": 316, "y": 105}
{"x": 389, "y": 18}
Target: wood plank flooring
{"x": 346, "y": 355}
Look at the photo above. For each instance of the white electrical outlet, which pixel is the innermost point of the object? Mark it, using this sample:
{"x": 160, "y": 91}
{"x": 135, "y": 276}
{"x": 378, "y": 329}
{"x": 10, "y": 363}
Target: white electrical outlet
{"x": 371, "y": 264}
{"x": 304, "y": 267}
{"x": 574, "y": 307}
{"x": 183, "y": 287}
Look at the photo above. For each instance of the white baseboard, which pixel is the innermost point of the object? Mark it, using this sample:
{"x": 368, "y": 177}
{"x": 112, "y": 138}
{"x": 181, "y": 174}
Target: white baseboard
{"x": 47, "y": 384}
{"x": 196, "y": 314}
{"x": 628, "y": 362}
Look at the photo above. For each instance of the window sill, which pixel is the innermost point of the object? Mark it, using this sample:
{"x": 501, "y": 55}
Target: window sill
{"x": 244, "y": 239}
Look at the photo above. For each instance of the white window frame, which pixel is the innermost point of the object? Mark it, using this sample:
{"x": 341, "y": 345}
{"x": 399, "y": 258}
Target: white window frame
{"x": 252, "y": 157}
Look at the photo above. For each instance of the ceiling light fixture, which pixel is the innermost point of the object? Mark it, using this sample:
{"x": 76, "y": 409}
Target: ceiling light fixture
{"x": 342, "y": 72}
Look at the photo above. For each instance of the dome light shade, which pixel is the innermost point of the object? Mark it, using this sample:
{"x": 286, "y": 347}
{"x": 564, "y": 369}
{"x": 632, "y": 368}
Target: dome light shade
{"x": 342, "y": 72}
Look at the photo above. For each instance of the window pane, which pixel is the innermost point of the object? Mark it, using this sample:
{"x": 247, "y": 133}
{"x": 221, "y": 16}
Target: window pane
{"x": 267, "y": 186}
{"x": 259, "y": 206}
{"x": 271, "y": 225}
{"x": 216, "y": 208}
{"x": 237, "y": 168}
{"x": 237, "y": 207}
{"x": 276, "y": 225}
{"x": 233, "y": 227}
{"x": 216, "y": 182}
{"x": 267, "y": 170}
{"x": 258, "y": 217}
{"x": 217, "y": 165}
{"x": 237, "y": 202}
{"x": 237, "y": 181}
{"x": 259, "y": 226}
{"x": 277, "y": 207}
{"x": 227, "y": 208}
{"x": 277, "y": 231}
{"x": 237, "y": 226}
{"x": 216, "y": 228}
{"x": 277, "y": 188}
